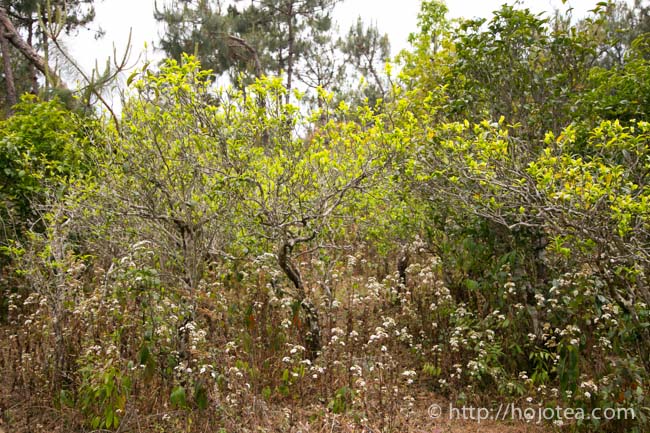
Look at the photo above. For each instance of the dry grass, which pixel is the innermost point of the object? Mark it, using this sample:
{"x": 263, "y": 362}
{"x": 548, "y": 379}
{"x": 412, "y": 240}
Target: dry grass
{"x": 24, "y": 416}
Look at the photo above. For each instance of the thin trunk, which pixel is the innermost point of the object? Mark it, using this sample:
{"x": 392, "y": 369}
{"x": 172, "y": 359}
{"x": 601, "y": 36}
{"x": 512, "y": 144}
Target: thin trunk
{"x": 10, "y": 83}
{"x": 402, "y": 265}
{"x": 375, "y": 75}
{"x": 33, "y": 76}
{"x": 313, "y": 335}
{"x": 290, "y": 54}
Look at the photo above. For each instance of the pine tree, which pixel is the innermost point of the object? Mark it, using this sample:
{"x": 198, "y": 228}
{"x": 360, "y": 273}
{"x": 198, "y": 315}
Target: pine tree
{"x": 265, "y": 37}
{"x": 366, "y": 50}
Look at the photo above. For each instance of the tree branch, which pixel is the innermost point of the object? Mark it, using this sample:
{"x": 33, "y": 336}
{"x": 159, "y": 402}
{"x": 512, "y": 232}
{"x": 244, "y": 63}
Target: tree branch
{"x": 253, "y": 52}
{"x": 12, "y": 35}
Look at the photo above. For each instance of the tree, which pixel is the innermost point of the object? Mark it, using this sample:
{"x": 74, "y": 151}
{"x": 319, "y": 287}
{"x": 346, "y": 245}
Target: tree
{"x": 322, "y": 67}
{"x": 213, "y": 34}
{"x": 616, "y": 25}
{"x": 267, "y": 37}
{"x": 520, "y": 66}
{"x": 169, "y": 173}
{"x": 24, "y": 26}
{"x": 305, "y": 187}
{"x": 295, "y": 22}
{"x": 8, "y": 74}
{"x": 218, "y": 182}
{"x": 522, "y": 217}
{"x": 534, "y": 70}
{"x": 620, "y": 92}
{"x": 367, "y": 51}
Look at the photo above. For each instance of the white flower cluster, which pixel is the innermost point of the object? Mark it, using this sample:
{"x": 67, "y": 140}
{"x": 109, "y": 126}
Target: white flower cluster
{"x": 588, "y": 388}
{"x": 510, "y": 288}
{"x": 337, "y": 337}
{"x": 380, "y": 334}
{"x": 572, "y": 333}
{"x": 409, "y": 375}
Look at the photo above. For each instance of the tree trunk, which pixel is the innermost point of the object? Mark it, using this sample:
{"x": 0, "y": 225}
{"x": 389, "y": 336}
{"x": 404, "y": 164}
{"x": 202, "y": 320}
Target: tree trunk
{"x": 402, "y": 264}
{"x": 290, "y": 54}
{"x": 33, "y": 76}
{"x": 10, "y": 83}
{"x": 312, "y": 338}
{"x": 25, "y": 49}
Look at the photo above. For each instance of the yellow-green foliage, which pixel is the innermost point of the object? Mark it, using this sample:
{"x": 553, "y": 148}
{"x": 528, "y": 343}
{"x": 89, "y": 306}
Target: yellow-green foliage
{"x": 235, "y": 258}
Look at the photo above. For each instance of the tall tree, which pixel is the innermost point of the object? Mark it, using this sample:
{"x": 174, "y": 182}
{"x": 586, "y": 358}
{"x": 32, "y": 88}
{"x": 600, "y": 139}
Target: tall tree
{"x": 618, "y": 24}
{"x": 519, "y": 65}
{"x": 322, "y": 66}
{"x": 24, "y": 37}
{"x": 210, "y": 31}
{"x": 8, "y": 73}
{"x": 366, "y": 50}
{"x": 266, "y": 37}
{"x": 297, "y": 24}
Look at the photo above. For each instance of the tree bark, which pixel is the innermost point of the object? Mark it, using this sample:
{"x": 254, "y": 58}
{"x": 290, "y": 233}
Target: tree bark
{"x": 10, "y": 83}
{"x": 12, "y": 35}
{"x": 290, "y": 54}
{"x": 402, "y": 265}
{"x": 33, "y": 76}
{"x": 312, "y": 338}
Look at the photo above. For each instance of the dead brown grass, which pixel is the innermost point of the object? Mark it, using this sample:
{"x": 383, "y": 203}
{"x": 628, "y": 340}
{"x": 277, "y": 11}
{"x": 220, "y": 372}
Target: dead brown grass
{"x": 24, "y": 416}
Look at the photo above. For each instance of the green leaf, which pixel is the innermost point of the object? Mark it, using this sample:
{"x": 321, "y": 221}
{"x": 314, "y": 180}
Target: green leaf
{"x": 66, "y": 398}
{"x": 144, "y": 355}
{"x": 131, "y": 78}
{"x": 201, "y": 396}
{"x": 109, "y": 418}
{"x": 178, "y": 397}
